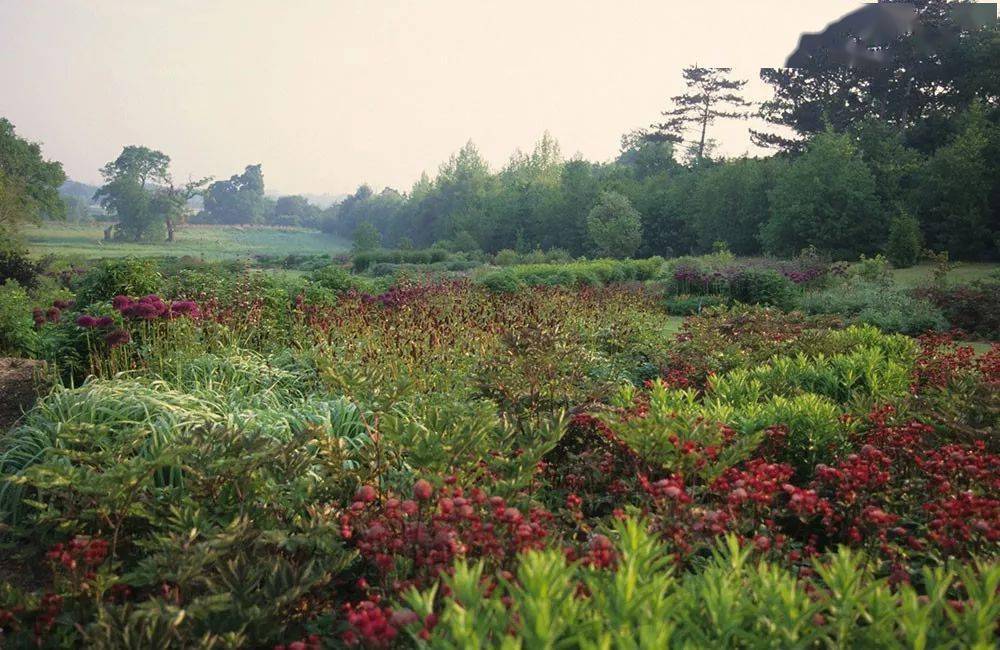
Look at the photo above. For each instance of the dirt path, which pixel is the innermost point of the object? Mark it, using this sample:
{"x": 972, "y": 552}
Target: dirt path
{"x": 18, "y": 388}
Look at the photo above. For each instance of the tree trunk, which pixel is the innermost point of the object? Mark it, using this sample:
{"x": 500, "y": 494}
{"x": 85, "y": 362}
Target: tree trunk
{"x": 108, "y": 231}
{"x": 170, "y": 230}
{"x": 704, "y": 128}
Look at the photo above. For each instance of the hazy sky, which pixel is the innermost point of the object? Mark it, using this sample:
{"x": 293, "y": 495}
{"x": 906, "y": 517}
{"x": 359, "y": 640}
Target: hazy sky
{"x": 327, "y": 94}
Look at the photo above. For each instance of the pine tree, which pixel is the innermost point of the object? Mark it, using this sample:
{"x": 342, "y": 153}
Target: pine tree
{"x": 711, "y": 95}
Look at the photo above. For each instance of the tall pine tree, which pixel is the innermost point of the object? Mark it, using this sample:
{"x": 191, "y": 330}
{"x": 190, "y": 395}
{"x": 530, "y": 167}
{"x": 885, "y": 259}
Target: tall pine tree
{"x": 711, "y": 95}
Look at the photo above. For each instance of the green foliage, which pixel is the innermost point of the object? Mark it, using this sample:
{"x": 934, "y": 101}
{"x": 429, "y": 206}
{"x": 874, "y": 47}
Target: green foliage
{"x": 733, "y": 600}
{"x": 887, "y": 307}
{"x": 904, "y": 245}
{"x": 364, "y": 259}
{"x": 614, "y": 225}
{"x": 337, "y": 279}
{"x": 237, "y": 200}
{"x": 592, "y": 273}
{"x": 762, "y": 287}
{"x": 954, "y": 203}
{"x": 15, "y": 265}
{"x": 730, "y": 204}
{"x": 17, "y": 334}
{"x": 128, "y": 276}
{"x": 29, "y": 184}
{"x": 366, "y": 237}
{"x": 825, "y": 198}
{"x": 686, "y": 305}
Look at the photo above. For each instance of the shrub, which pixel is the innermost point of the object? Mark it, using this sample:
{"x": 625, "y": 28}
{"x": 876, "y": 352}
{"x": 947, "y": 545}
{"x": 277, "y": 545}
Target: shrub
{"x": 622, "y": 593}
{"x": 889, "y": 308}
{"x": 686, "y": 305}
{"x": 872, "y": 269}
{"x": 336, "y": 279}
{"x": 762, "y": 287}
{"x": 17, "y": 336}
{"x": 15, "y": 265}
{"x": 365, "y": 259}
{"x": 973, "y": 308}
{"x": 502, "y": 282}
{"x": 128, "y": 276}
{"x": 904, "y": 244}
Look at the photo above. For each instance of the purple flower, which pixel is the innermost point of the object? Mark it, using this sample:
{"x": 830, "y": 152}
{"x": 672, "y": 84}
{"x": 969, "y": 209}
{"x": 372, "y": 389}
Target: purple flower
{"x": 117, "y": 337}
{"x": 86, "y": 321}
{"x": 105, "y": 321}
{"x": 187, "y": 308}
{"x": 120, "y": 303}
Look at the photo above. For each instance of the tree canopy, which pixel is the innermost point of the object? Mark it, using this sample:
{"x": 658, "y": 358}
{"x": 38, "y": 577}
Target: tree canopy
{"x": 29, "y": 184}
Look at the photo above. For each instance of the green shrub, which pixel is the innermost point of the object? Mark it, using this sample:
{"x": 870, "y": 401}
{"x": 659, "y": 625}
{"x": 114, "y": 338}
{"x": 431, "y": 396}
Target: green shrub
{"x": 17, "y": 334}
{"x": 872, "y": 269}
{"x": 129, "y": 276}
{"x": 889, "y": 308}
{"x": 904, "y": 244}
{"x": 733, "y": 600}
{"x": 502, "y": 282}
{"x": 762, "y": 287}
{"x": 336, "y": 279}
{"x": 685, "y": 304}
{"x": 363, "y": 260}
{"x": 15, "y": 265}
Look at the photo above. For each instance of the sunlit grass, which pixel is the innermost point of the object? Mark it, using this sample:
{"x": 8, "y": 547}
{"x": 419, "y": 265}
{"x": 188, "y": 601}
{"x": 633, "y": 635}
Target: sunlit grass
{"x": 210, "y": 242}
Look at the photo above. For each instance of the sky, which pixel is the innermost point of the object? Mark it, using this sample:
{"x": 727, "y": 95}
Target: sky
{"x": 327, "y": 94}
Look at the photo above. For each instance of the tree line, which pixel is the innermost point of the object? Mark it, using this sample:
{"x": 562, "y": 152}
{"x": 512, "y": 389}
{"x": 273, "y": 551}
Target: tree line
{"x": 898, "y": 151}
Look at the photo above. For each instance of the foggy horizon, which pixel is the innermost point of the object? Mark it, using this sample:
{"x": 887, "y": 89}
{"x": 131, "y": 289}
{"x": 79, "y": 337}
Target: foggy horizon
{"x": 327, "y": 96}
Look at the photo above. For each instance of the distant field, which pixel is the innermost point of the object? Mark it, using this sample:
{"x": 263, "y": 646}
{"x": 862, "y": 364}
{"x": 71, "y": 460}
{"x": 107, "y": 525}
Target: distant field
{"x": 210, "y": 242}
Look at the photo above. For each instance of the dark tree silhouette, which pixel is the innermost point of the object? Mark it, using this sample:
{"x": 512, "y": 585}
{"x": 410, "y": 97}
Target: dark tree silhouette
{"x": 907, "y": 64}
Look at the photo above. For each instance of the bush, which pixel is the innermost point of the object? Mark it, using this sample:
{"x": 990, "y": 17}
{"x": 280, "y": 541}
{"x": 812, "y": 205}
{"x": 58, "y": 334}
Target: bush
{"x": 365, "y": 259}
{"x": 889, "y": 308}
{"x": 502, "y": 282}
{"x": 974, "y": 308}
{"x": 904, "y": 245}
{"x": 17, "y": 337}
{"x": 15, "y": 265}
{"x": 128, "y": 276}
{"x": 762, "y": 287}
{"x": 872, "y": 269}
{"x": 337, "y": 279}
{"x": 686, "y": 305}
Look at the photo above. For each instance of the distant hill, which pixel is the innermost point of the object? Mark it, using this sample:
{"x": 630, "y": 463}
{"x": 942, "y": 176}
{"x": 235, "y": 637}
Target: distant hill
{"x": 78, "y": 190}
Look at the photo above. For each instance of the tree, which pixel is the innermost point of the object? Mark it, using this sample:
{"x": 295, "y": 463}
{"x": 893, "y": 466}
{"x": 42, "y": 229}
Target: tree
{"x": 366, "y": 237}
{"x": 237, "y": 200}
{"x": 904, "y": 246}
{"x": 126, "y": 195}
{"x": 29, "y": 184}
{"x": 172, "y": 203}
{"x": 614, "y": 225}
{"x": 711, "y": 95}
{"x": 905, "y": 64}
{"x": 825, "y": 198}
{"x": 140, "y": 192}
{"x": 958, "y": 201}
{"x": 730, "y": 204}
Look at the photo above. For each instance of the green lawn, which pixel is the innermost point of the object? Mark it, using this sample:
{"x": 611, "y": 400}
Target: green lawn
{"x": 209, "y": 242}
{"x": 961, "y": 273}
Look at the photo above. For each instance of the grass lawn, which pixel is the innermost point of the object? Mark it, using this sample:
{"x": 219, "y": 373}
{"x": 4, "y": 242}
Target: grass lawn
{"x": 961, "y": 273}
{"x": 209, "y": 242}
